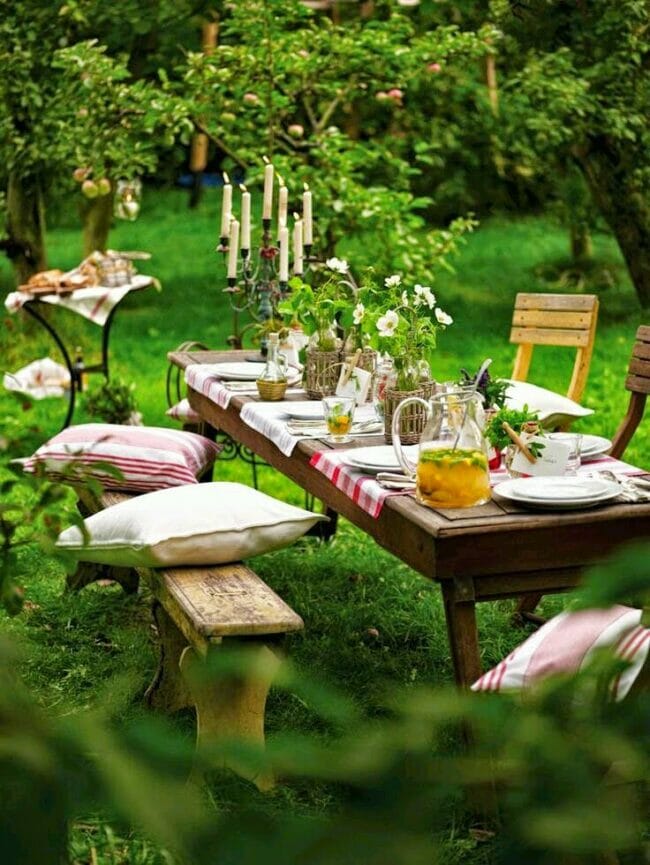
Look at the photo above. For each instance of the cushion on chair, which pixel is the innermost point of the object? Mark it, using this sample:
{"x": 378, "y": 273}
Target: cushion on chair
{"x": 554, "y": 409}
{"x": 566, "y": 644}
{"x": 203, "y": 524}
{"x": 150, "y": 458}
{"x": 183, "y": 411}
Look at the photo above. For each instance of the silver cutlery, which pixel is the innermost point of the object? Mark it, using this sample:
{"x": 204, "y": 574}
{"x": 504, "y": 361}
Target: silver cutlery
{"x": 316, "y": 430}
{"x": 633, "y": 489}
{"x": 395, "y": 481}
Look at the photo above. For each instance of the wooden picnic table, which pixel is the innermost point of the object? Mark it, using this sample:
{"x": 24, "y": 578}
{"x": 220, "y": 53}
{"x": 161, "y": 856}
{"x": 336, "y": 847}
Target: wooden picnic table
{"x": 487, "y": 553}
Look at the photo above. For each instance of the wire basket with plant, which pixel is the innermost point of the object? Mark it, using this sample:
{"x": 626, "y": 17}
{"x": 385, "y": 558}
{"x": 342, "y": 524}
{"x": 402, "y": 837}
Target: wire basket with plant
{"x": 114, "y": 402}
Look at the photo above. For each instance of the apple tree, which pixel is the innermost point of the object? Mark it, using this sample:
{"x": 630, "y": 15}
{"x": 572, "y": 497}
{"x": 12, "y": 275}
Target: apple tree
{"x": 66, "y": 103}
{"x": 577, "y": 93}
{"x": 326, "y": 102}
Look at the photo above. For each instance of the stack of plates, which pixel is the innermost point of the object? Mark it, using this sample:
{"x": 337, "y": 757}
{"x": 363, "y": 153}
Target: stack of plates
{"x": 592, "y": 447}
{"x": 558, "y": 493}
{"x": 248, "y": 371}
{"x": 378, "y": 459}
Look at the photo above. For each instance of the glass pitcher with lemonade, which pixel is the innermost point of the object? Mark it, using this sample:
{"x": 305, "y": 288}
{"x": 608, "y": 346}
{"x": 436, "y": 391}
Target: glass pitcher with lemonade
{"x": 452, "y": 468}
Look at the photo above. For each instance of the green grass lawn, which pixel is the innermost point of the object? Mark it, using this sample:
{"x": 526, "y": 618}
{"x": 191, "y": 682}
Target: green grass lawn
{"x": 371, "y": 623}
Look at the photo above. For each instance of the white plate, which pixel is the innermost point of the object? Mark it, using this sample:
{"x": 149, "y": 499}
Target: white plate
{"x": 305, "y": 410}
{"x": 247, "y": 371}
{"x": 591, "y": 448}
{"x": 378, "y": 459}
{"x": 559, "y": 493}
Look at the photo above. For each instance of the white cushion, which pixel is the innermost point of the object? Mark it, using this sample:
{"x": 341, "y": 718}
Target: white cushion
{"x": 202, "y": 524}
{"x": 566, "y": 644}
{"x": 554, "y": 409}
{"x": 149, "y": 458}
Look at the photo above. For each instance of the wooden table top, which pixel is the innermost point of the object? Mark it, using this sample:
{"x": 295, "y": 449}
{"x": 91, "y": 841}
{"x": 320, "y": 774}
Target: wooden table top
{"x": 496, "y": 538}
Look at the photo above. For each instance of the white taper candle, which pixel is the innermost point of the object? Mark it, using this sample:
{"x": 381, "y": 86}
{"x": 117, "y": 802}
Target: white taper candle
{"x": 297, "y": 247}
{"x": 226, "y": 206}
{"x": 283, "y": 198}
{"x": 245, "y": 219}
{"x": 233, "y": 245}
{"x": 284, "y": 254}
{"x": 267, "y": 205}
{"x": 306, "y": 215}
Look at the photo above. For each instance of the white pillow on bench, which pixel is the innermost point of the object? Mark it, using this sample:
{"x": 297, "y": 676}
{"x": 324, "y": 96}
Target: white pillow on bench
{"x": 202, "y": 524}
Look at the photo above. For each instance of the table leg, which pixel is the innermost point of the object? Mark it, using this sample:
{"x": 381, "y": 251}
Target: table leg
{"x": 460, "y": 613}
{"x": 74, "y": 384}
{"x": 106, "y": 333}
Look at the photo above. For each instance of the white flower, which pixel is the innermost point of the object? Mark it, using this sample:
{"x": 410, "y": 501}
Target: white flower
{"x": 340, "y": 265}
{"x": 423, "y": 294}
{"x": 387, "y": 324}
{"x": 393, "y": 281}
{"x": 442, "y": 317}
{"x": 358, "y": 314}
{"x": 405, "y": 298}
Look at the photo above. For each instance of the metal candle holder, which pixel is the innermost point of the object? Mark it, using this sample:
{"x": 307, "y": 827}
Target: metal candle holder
{"x": 256, "y": 289}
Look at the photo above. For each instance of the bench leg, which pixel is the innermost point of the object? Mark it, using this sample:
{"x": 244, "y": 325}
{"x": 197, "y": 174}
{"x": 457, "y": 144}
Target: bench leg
{"x": 168, "y": 691}
{"x": 232, "y": 707}
{"x": 89, "y": 572}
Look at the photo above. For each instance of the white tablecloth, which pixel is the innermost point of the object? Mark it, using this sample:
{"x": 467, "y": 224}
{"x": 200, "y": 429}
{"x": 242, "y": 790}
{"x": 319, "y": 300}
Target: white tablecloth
{"x": 95, "y": 303}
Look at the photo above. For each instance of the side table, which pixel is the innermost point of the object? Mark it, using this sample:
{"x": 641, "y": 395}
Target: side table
{"x": 97, "y": 304}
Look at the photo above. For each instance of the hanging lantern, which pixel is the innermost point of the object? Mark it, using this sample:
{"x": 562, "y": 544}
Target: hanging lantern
{"x": 127, "y": 199}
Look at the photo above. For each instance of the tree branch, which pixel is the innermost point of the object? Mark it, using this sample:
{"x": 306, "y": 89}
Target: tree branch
{"x": 220, "y": 143}
{"x": 325, "y": 119}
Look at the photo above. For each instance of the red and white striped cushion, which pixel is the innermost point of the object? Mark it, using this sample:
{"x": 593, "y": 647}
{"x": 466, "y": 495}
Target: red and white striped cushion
{"x": 150, "y": 458}
{"x": 183, "y": 411}
{"x": 566, "y": 643}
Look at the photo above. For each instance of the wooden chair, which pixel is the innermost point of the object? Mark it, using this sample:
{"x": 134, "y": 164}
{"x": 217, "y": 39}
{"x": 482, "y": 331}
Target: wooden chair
{"x": 559, "y": 320}
{"x": 638, "y": 383}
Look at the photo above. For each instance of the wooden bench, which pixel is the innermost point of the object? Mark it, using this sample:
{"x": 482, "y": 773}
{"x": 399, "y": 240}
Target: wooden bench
{"x": 198, "y": 612}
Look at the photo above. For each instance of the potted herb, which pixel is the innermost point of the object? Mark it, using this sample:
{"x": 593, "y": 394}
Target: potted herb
{"x": 316, "y": 309}
{"x": 523, "y": 422}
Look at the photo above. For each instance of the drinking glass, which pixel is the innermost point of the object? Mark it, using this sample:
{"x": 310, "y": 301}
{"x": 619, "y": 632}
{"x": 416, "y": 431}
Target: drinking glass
{"x": 339, "y": 413}
{"x": 574, "y": 441}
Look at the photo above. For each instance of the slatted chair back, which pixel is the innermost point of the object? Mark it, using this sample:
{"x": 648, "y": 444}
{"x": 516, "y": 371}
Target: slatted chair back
{"x": 638, "y": 383}
{"x": 559, "y": 320}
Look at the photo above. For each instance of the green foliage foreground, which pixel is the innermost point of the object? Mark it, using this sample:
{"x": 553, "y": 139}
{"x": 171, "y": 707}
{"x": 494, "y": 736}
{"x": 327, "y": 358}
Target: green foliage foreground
{"x": 375, "y": 637}
{"x": 555, "y": 769}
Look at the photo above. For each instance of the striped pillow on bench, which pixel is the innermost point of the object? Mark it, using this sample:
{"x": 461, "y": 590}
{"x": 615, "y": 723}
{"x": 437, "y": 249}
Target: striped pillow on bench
{"x": 149, "y": 458}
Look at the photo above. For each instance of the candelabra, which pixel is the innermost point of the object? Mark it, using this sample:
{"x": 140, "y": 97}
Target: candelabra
{"x": 257, "y": 288}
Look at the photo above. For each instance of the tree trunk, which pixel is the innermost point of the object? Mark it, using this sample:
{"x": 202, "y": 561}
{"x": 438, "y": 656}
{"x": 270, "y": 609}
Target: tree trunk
{"x": 581, "y": 249}
{"x": 97, "y": 216}
{"x": 25, "y": 243}
{"x": 624, "y": 207}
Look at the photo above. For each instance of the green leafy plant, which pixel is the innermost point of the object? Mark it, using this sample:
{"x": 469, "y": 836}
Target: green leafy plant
{"x": 316, "y": 309}
{"x": 33, "y": 511}
{"x": 113, "y": 402}
{"x": 515, "y": 418}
